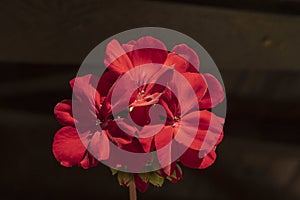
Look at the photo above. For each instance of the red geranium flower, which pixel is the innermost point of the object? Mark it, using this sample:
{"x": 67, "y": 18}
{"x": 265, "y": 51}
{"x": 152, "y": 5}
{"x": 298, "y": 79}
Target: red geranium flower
{"x": 88, "y": 134}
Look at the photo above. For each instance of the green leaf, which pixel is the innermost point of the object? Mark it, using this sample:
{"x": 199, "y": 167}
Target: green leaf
{"x": 125, "y": 178}
{"x": 179, "y": 168}
{"x": 145, "y": 176}
{"x": 113, "y": 171}
{"x": 174, "y": 175}
{"x": 156, "y": 179}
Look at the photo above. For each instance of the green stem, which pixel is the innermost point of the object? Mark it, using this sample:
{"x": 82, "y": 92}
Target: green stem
{"x": 132, "y": 191}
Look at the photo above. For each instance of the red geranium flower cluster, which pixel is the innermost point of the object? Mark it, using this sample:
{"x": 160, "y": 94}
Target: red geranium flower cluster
{"x": 94, "y": 127}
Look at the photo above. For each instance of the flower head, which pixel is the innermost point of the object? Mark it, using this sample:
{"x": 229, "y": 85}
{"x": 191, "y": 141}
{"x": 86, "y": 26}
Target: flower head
{"x": 150, "y": 102}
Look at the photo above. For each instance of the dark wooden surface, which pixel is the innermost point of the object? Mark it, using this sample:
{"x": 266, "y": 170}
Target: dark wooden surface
{"x": 257, "y": 52}
{"x": 288, "y": 7}
{"x": 63, "y": 32}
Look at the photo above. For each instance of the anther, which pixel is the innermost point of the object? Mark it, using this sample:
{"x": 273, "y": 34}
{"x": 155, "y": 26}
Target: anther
{"x": 131, "y": 108}
{"x": 98, "y": 122}
{"x": 176, "y": 118}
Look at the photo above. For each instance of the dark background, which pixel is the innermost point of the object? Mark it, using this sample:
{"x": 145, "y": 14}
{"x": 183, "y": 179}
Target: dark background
{"x": 255, "y": 44}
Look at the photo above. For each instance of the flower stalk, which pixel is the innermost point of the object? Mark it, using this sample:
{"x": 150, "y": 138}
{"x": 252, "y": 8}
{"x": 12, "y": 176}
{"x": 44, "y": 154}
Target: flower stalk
{"x": 132, "y": 191}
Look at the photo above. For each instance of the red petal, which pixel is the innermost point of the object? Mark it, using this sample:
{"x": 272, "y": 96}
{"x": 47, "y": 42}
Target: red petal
{"x": 117, "y": 135}
{"x": 208, "y": 160}
{"x": 140, "y": 115}
{"x": 163, "y": 137}
{"x": 164, "y": 152}
{"x": 120, "y": 96}
{"x": 85, "y": 91}
{"x": 116, "y": 58}
{"x": 148, "y": 50}
{"x": 179, "y": 63}
{"x": 140, "y": 184}
{"x": 161, "y": 79}
{"x": 188, "y": 130}
{"x": 147, "y": 134}
{"x": 200, "y": 153}
{"x": 190, "y": 90}
{"x": 67, "y": 147}
{"x": 188, "y": 54}
{"x": 88, "y": 161}
{"x": 135, "y": 147}
{"x": 209, "y": 133}
{"x": 191, "y": 159}
{"x": 106, "y": 82}
{"x": 63, "y": 113}
{"x": 146, "y": 143}
{"x": 128, "y": 143}
{"x": 198, "y": 83}
{"x": 87, "y": 104}
{"x": 99, "y": 146}
{"x": 214, "y": 94}
{"x": 220, "y": 138}
{"x": 129, "y": 46}
{"x": 170, "y": 103}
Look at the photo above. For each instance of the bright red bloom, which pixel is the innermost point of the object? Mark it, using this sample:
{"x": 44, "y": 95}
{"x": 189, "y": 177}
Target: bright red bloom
{"x": 99, "y": 126}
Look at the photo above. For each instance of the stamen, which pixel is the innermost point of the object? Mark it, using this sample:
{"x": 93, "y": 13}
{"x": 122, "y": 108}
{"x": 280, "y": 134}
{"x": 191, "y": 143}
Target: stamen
{"x": 131, "y": 108}
{"x": 98, "y": 122}
{"x": 176, "y": 118}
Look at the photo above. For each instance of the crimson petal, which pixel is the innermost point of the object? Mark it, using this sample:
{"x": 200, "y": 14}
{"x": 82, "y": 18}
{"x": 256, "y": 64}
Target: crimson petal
{"x": 200, "y": 153}
{"x": 179, "y": 63}
{"x": 163, "y": 144}
{"x": 188, "y": 54}
{"x": 214, "y": 94}
{"x": 63, "y": 113}
{"x": 148, "y": 50}
{"x": 191, "y": 159}
{"x": 116, "y": 59}
{"x": 85, "y": 91}
{"x": 88, "y": 161}
{"x": 209, "y": 133}
{"x": 140, "y": 184}
{"x": 191, "y": 94}
{"x": 67, "y": 147}
{"x": 99, "y": 146}
{"x": 106, "y": 82}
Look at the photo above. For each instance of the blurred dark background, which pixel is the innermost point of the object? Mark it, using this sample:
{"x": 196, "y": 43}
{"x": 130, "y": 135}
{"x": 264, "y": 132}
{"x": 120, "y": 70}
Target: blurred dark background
{"x": 255, "y": 44}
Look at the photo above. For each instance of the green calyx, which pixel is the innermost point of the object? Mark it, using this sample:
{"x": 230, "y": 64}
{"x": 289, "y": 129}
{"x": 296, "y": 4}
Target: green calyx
{"x": 155, "y": 178}
{"x": 126, "y": 179}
